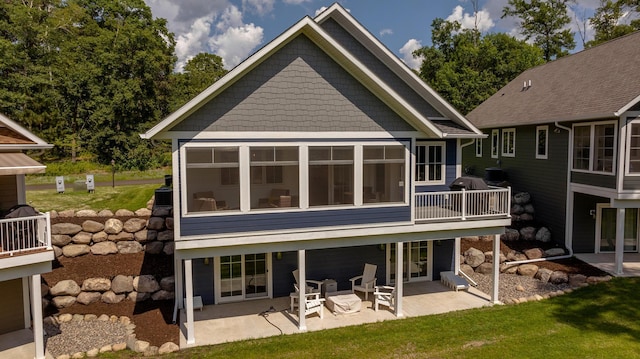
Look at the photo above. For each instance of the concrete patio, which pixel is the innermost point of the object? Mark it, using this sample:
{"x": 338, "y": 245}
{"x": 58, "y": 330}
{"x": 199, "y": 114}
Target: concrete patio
{"x": 607, "y": 263}
{"x": 222, "y": 323}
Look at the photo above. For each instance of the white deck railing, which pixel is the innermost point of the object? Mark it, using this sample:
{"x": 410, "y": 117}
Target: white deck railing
{"x": 463, "y": 204}
{"x": 25, "y": 234}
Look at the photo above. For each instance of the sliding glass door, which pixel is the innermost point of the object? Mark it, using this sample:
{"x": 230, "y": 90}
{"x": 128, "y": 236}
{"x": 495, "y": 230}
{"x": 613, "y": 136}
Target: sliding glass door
{"x": 240, "y": 277}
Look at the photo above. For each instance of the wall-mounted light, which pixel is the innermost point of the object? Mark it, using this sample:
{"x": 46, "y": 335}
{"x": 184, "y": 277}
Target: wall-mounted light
{"x": 206, "y": 261}
{"x": 381, "y": 247}
{"x": 278, "y": 255}
{"x": 592, "y": 213}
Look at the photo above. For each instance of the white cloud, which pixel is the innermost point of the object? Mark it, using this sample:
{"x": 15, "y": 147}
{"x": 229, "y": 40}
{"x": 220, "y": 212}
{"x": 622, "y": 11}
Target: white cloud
{"x": 320, "y": 10}
{"x": 386, "y": 32}
{"x": 482, "y": 19}
{"x": 236, "y": 43}
{"x": 295, "y": 2}
{"x": 407, "y": 53}
{"x": 260, "y": 7}
{"x": 190, "y": 43}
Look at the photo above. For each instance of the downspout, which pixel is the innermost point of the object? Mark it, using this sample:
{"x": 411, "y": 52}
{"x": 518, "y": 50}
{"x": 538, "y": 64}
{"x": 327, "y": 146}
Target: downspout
{"x": 568, "y": 230}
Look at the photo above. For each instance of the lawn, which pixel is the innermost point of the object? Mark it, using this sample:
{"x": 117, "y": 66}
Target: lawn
{"x": 599, "y": 321}
{"x": 131, "y": 197}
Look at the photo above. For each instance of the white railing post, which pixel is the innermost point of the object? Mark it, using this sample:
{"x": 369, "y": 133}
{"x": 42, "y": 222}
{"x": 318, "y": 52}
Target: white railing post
{"x": 508, "y": 209}
{"x": 48, "y": 233}
{"x": 464, "y": 204}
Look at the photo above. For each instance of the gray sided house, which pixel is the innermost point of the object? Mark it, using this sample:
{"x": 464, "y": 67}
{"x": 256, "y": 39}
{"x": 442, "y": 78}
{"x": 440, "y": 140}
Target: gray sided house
{"x": 25, "y": 241}
{"x": 321, "y": 152}
{"x": 568, "y": 132}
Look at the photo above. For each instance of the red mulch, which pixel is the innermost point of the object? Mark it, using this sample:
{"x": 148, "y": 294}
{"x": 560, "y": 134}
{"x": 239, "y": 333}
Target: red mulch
{"x": 153, "y": 319}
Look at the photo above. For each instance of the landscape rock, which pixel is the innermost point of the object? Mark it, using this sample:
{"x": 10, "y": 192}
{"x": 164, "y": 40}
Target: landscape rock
{"x": 63, "y": 301}
{"x": 65, "y": 287}
{"x": 168, "y": 347}
{"x": 553, "y": 252}
{"x": 162, "y": 295}
{"x": 165, "y": 236}
{"x": 124, "y": 213}
{"x": 168, "y": 283}
{"x": 86, "y": 213}
{"x": 141, "y": 236}
{"x": 104, "y": 248}
{"x": 169, "y": 248}
{"x": 75, "y": 250}
{"x": 96, "y": 284}
{"x": 517, "y": 209}
{"x": 154, "y": 247}
{"x": 558, "y": 277}
{"x": 543, "y": 275}
{"x": 543, "y": 235}
{"x": 113, "y": 226}
{"x": 467, "y": 269}
{"x": 528, "y": 208}
{"x": 521, "y": 198}
{"x": 57, "y": 251}
{"x": 528, "y": 270}
{"x": 526, "y": 217}
{"x": 143, "y": 212}
{"x": 134, "y": 225}
{"x": 100, "y": 237}
{"x": 110, "y": 297}
{"x": 129, "y": 247}
{"x": 145, "y": 283}
{"x": 92, "y": 226}
{"x": 140, "y": 346}
{"x": 138, "y": 297}
{"x": 161, "y": 212}
{"x": 122, "y": 236}
{"x": 510, "y": 235}
{"x": 534, "y": 253}
{"x": 485, "y": 268}
{"x": 528, "y": 234}
{"x": 67, "y": 213}
{"x": 473, "y": 257}
{"x": 577, "y": 280}
{"x": 60, "y": 240}
{"x": 88, "y": 297}
{"x": 122, "y": 284}
{"x": 105, "y": 213}
{"x": 168, "y": 222}
{"x": 82, "y": 238}
{"x": 65, "y": 228}
{"x": 152, "y": 235}
{"x": 155, "y": 223}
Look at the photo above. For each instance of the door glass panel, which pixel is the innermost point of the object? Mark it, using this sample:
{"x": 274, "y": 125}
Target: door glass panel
{"x": 608, "y": 230}
{"x": 419, "y": 259}
{"x": 256, "y": 275}
{"x": 631, "y": 230}
{"x": 231, "y": 276}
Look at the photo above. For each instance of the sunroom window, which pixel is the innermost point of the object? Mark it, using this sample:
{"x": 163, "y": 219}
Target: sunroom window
{"x": 383, "y": 174}
{"x": 634, "y": 148}
{"x": 274, "y": 177}
{"x": 212, "y": 178}
{"x": 594, "y": 147}
{"x": 331, "y": 179}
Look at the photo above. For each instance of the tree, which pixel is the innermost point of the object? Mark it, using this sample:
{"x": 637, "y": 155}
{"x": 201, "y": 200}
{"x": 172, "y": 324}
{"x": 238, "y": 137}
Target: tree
{"x": 200, "y": 72}
{"x": 544, "y": 21}
{"x": 607, "y": 20}
{"x": 466, "y": 68}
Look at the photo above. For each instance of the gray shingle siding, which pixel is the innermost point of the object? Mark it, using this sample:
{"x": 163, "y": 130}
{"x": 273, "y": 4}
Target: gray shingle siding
{"x": 299, "y": 88}
{"x": 363, "y": 55}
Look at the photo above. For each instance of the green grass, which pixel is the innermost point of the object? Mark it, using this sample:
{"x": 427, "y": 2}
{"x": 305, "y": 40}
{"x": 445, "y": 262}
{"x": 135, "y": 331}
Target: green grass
{"x": 77, "y": 171}
{"x": 121, "y": 197}
{"x": 599, "y": 321}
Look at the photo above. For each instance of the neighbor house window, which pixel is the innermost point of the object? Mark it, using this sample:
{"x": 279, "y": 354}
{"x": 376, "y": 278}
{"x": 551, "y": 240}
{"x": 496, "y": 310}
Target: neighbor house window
{"x": 509, "y": 142}
{"x": 594, "y": 147}
{"x": 274, "y": 177}
{"x": 430, "y": 162}
{"x": 383, "y": 173}
{"x": 478, "y": 147}
{"x": 494, "y": 143}
{"x": 331, "y": 175}
{"x": 542, "y": 141}
{"x": 212, "y": 178}
{"x": 634, "y": 148}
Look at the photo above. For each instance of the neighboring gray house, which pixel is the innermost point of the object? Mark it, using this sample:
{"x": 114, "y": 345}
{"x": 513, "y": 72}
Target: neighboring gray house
{"x": 321, "y": 152}
{"x": 25, "y": 243}
{"x": 568, "y": 132}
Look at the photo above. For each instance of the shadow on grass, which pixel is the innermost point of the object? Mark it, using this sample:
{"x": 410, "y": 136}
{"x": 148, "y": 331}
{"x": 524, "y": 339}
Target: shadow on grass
{"x": 609, "y": 308}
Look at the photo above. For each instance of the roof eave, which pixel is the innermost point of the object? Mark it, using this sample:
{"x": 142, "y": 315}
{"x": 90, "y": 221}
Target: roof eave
{"x": 24, "y": 132}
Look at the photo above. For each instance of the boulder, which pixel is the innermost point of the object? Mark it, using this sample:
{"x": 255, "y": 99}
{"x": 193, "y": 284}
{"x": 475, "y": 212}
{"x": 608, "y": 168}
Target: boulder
{"x": 96, "y": 284}
{"x": 129, "y": 247}
{"x": 75, "y": 250}
{"x": 65, "y": 287}
{"x": 92, "y": 226}
{"x": 65, "y": 228}
{"x": 143, "y": 212}
{"x": 146, "y": 284}
{"x": 168, "y": 283}
{"x": 141, "y": 236}
{"x": 473, "y": 257}
{"x": 82, "y": 238}
{"x": 169, "y": 248}
{"x": 534, "y": 253}
{"x": 528, "y": 208}
{"x": 122, "y": 284}
{"x": 86, "y": 213}
{"x": 138, "y": 297}
{"x": 122, "y": 236}
{"x": 134, "y": 224}
{"x": 168, "y": 347}
{"x": 152, "y": 235}
{"x": 88, "y": 297}
{"x": 67, "y": 213}
{"x": 163, "y": 295}
{"x": 105, "y": 213}
{"x": 467, "y": 269}
{"x": 100, "y": 237}
{"x": 161, "y": 212}
{"x": 104, "y": 248}
{"x": 57, "y": 251}
{"x": 113, "y": 226}
{"x": 485, "y": 268}
{"x": 528, "y": 233}
{"x": 154, "y": 247}
{"x": 44, "y": 289}
{"x": 527, "y": 270}
{"x": 155, "y": 223}
{"x": 554, "y": 252}
{"x": 517, "y": 209}
{"x": 124, "y": 213}
{"x": 558, "y": 277}
{"x": 543, "y": 275}
{"x": 140, "y": 346}
{"x": 165, "y": 236}
{"x": 543, "y": 235}
{"x": 577, "y": 280}
{"x": 510, "y": 235}
{"x": 521, "y": 198}
{"x": 168, "y": 222}
{"x": 63, "y": 301}
{"x": 526, "y": 217}
{"x": 60, "y": 240}
{"x": 110, "y": 297}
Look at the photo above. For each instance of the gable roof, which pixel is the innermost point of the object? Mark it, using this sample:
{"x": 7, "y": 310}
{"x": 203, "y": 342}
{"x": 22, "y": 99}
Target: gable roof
{"x": 310, "y": 28}
{"x": 600, "y": 82}
{"x": 15, "y": 137}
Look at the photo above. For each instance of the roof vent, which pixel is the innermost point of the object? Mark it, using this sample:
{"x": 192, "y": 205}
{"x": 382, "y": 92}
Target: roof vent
{"x": 526, "y": 85}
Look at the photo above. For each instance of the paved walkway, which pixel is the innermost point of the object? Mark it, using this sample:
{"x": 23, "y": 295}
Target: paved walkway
{"x": 607, "y": 263}
{"x": 222, "y": 323}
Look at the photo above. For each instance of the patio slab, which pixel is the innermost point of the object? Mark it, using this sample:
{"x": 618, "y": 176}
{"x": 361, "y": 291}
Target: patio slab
{"x": 222, "y": 323}
{"x": 607, "y": 263}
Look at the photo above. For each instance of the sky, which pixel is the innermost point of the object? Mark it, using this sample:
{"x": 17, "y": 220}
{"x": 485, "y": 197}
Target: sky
{"x": 234, "y": 29}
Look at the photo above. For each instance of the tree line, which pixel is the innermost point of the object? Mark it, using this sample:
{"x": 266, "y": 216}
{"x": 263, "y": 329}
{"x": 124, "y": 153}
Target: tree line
{"x": 89, "y": 75}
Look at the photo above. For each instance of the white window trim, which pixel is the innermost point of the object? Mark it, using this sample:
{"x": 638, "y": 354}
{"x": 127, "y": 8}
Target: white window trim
{"x": 627, "y": 155}
{"x": 495, "y": 144}
{"x": 592, "y": 147}
{"x": 443, "y": 166}
{"x": 478, "y": 147}
{"x": 506, "y": 131}
{"x": 244, "y": 159}
{"x": 546, "y": 142}
{"x": 217, "y": 282}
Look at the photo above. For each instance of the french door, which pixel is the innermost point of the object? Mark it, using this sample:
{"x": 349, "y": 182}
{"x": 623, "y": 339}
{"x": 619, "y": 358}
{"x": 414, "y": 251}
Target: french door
{"x": 606, "y": 229}
{"x": 416, "y": 261}
{"x": 242, "y": 276}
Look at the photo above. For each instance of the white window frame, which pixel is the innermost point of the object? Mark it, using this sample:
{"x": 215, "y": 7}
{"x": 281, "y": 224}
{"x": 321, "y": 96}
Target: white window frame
{"x": 495, "y": 143}
{"x": 478, "y": 147}
{"x": 507, "y": 134}
{"x": 544, "y": 129}
{"x": 635, "y": 121}
{"x": 443, "y": 166}
{"x": 218, "y": 280}
{"x": 303, "y": 188}
{"x": 592, "y": 126}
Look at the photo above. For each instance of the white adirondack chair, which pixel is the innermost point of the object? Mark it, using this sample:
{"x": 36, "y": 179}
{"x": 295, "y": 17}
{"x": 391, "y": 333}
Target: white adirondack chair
{"x": 366, "y": 282}
{"x": 384, "y": 295}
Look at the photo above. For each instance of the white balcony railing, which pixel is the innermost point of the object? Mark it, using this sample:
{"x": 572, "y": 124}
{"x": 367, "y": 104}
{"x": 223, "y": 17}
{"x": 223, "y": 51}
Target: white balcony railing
{"x": 18, "y": 235}
{"x": 463, "y": 204}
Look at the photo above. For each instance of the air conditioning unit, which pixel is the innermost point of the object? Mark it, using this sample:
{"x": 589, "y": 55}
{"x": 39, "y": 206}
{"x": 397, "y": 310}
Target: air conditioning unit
{"x": 163, "y": 197}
